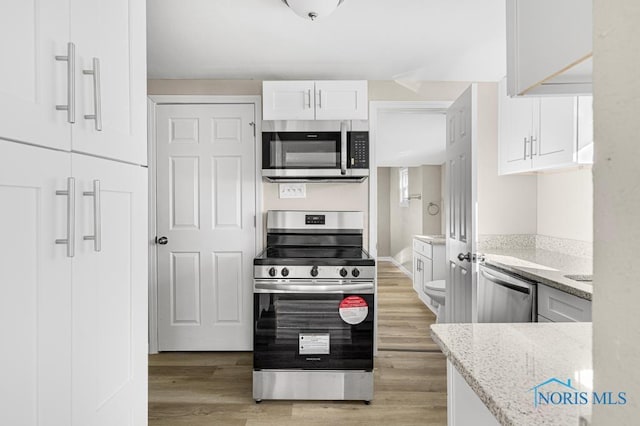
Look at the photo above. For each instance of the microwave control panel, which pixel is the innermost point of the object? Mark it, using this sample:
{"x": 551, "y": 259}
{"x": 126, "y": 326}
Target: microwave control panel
{"x": 359, "y": 150}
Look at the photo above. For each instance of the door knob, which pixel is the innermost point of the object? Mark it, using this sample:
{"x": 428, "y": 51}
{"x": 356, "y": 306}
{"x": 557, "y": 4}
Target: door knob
{"x": 162, "y": 240}
{"x": 462, "y": 256}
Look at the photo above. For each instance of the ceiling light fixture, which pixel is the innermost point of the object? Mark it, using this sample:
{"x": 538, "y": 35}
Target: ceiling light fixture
{"x": 313, "y": 9}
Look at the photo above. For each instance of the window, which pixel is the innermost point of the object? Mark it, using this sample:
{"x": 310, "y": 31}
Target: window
{"x": 404, "y": 187}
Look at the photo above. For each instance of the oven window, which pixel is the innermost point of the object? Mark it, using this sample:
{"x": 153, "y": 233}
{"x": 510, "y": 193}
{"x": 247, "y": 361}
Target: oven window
{"x": 304, "y": 154}
{"x": 282, "y": 322}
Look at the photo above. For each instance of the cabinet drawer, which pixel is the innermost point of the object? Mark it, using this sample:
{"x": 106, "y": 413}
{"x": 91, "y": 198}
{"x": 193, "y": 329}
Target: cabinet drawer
{"x": 423, "y": 248}
{"x": 558, "y": 306}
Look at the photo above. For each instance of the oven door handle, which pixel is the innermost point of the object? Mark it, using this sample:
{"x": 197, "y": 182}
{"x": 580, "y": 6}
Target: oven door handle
{"x": 270, "y": 287}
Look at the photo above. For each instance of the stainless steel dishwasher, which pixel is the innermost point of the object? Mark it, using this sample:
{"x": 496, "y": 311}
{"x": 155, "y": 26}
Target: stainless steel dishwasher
{"x": 505, "y": 298}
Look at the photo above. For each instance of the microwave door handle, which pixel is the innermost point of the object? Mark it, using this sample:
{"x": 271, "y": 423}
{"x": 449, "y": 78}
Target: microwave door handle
{"x": 343, "y": 148}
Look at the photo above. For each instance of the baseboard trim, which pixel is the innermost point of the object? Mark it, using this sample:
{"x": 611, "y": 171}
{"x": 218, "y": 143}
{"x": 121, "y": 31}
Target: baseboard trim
{"x": 397, "y": 265}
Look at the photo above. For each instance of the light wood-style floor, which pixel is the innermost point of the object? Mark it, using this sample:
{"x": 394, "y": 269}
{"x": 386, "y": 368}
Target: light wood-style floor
{"x": 214, "y": 388}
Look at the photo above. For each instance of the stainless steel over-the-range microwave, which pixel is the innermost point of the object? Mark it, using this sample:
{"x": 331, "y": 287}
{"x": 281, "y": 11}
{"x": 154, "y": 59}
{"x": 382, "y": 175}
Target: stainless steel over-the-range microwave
{"x": 315, "y": 156}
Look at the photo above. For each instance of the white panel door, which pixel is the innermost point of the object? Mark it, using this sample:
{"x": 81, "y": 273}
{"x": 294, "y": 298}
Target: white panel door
{"x": 32, "y": 82}
{"x": 461, "y": 205}
{"x": 35, "y": 283}
{"x": 288, "y": 100}
{"x": 206, "y": 210}
{"x": 341, "y": 100}
{"x": 555, "y": 132}
{"x": 110, "y": 294}
{"x": 113, "y": 31}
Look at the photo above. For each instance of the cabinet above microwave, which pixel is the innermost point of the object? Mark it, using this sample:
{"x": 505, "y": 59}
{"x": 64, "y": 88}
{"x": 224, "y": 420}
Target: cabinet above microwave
{"x": 315, "y": 100}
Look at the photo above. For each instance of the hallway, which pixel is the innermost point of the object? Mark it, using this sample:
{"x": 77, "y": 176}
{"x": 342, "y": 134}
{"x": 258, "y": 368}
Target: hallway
{"x": 214, "y": 388}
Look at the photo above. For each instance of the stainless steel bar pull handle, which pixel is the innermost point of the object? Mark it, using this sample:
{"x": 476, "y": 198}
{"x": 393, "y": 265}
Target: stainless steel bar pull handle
{"x": 70, "y": 193}
{"x": 320, "y": 98}
{"x": 525, "y": 149}
{"x": 97, "y": 218}
{"x": 97, "y": 101}
{"x": 70, "y": 107}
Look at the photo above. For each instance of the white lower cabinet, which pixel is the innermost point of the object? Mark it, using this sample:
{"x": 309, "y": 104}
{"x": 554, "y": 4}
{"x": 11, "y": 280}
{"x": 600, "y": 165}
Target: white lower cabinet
{"x": 557, "y": 306}
{"x": 428, "y": 265}
{"x": 73, "y": 271}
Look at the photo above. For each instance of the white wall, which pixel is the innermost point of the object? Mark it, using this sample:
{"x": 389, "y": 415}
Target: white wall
{"x": 431, "y": 193}
{"x": 321, "y": 196}
{"x": 506, "y": 204}
{"x": 616, "y": 172}
{"x": 565, "y": 204}
{"x": 384, "y": 225}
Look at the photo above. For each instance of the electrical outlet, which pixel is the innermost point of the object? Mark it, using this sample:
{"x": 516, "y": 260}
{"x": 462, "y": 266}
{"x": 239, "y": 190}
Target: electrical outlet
{"x": 293, "y": 190}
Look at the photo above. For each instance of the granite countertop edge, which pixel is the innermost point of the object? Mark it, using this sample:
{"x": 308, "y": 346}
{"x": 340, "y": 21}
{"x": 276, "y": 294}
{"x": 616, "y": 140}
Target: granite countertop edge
{"x": 431, "y": 239}
{"x": 484, "y": 396}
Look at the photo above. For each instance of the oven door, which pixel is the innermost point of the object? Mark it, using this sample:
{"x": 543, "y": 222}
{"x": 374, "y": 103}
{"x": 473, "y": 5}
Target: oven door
{"x": 313, "y": 326}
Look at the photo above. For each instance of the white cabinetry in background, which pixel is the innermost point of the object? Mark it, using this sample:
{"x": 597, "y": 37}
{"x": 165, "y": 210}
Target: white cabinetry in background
{"x": 543, "y": 133}
{"x": 88, "y": 58}
{"x": 428, "y": 265}
{"x": 315, "y": 100}
{"x": 549, "y": 47}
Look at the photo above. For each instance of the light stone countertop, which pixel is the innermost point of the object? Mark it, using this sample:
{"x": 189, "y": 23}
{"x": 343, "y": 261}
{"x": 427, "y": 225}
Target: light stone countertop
{"x": 502, "y": 362}
{"x": 544, "y": 266}
{"x": 431, "y": 239}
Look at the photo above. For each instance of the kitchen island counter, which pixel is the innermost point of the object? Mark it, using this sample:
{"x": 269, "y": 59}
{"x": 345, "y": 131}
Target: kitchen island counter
{"x": 503, "y": 363}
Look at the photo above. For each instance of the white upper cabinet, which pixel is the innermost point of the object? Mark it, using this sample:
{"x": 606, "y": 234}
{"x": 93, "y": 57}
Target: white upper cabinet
{"x": 549, "y": 47}
{"x": 111, "y": 78}
{"x": 74, "y": 76}
{"x": 543, "y": 133}
{"x": 288, "y": 100}
{"x": 315, "y": 100}
{"x": 341, "y": 100}
{"x": 32, "y": 82}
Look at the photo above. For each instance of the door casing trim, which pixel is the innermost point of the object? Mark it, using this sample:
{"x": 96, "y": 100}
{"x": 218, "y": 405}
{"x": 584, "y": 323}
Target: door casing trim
{"x": 152, "y": 102}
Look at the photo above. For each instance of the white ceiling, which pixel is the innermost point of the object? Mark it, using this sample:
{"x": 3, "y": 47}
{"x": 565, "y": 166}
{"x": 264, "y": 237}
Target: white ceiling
{"x": 441, "y": 40}
{"x": 410, "y": 138}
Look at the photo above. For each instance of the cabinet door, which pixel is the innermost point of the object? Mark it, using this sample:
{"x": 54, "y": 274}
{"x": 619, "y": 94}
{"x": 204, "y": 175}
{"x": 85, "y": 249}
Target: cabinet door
{"x": 417, "y": 276}
{"x": 536, "y": 57}
{"x": 515, "y": 129}
{"x": 32, "y": 82}
{"x": 341, "y": 100}
{"x": 35, "y": 281}
{"x": 585, "y": 130}
{"x": 427, "y": 271}
{"x": 554, "y": 136}
{"x": 110, "y": 294}
{"x": 288, "y": 100}
{"x": 113, "y": 31}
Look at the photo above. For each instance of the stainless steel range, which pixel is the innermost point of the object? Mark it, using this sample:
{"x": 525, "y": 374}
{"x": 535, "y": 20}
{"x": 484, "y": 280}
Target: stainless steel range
{"x": 313, "y": 308}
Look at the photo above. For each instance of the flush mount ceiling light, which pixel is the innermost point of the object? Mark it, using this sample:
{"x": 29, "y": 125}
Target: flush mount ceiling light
{"x": 313, "y": 9}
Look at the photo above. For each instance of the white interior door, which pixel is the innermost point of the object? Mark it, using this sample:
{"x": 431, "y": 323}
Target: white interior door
{"x": 110, "y": 294}
{"x": 460, "y": 202}
{"x": 35, "y": 283}
{"x": 206, "y": 210}
{"x": 32, "y": 82}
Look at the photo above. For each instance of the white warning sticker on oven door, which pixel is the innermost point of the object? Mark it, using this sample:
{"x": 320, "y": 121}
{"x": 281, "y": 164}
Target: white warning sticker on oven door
{"x": 313, "y": 343}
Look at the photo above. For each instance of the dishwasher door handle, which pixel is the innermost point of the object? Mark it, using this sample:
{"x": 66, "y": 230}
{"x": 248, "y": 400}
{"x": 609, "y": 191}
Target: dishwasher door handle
{"x": 504, "y": 283}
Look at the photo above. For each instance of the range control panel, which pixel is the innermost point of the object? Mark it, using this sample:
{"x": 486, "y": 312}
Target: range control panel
{"x": 359, "y": 150}
{"x": 314, "y": 219}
